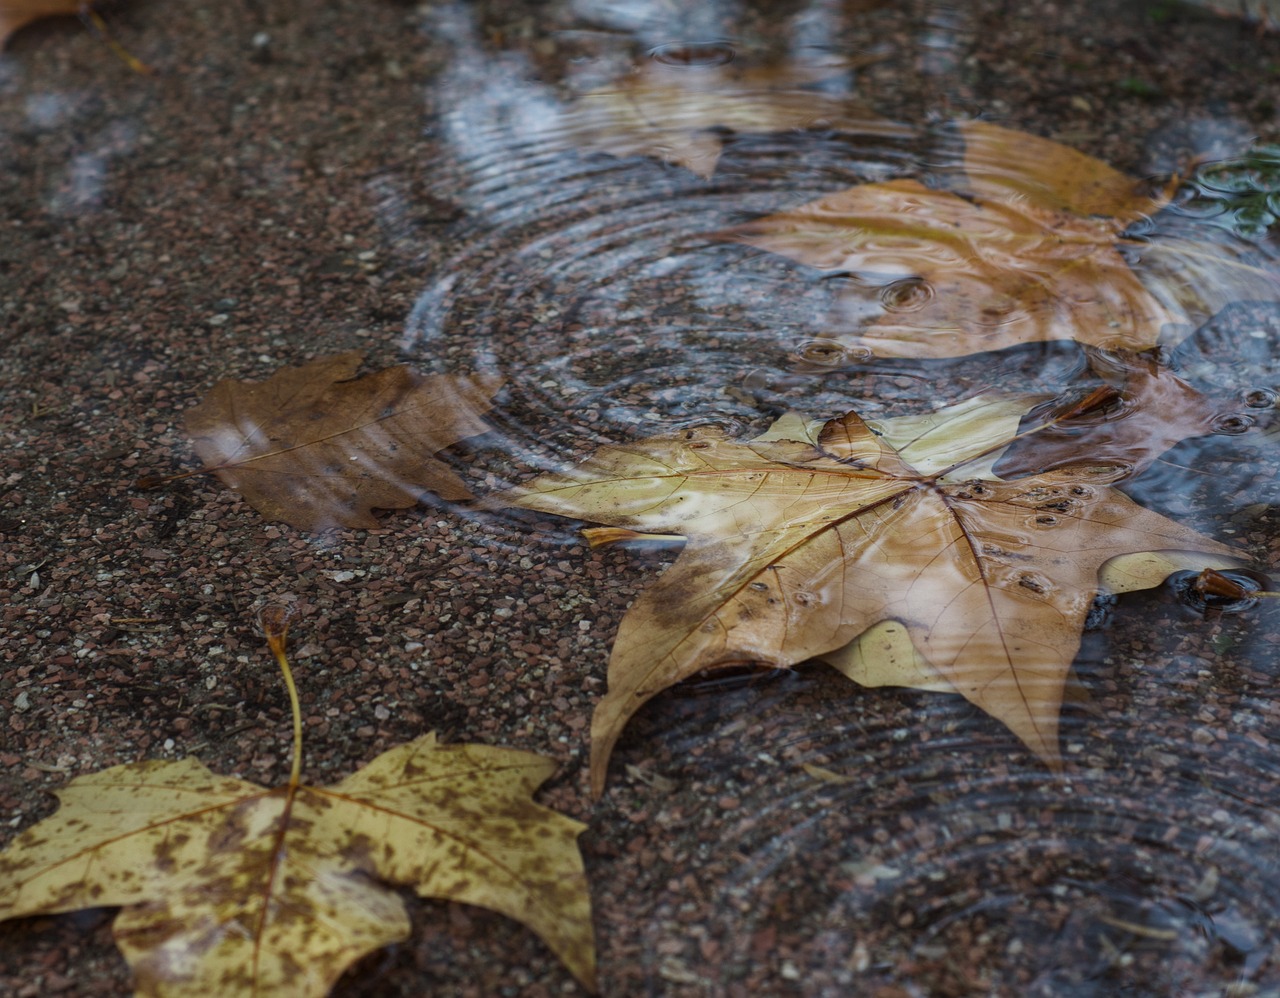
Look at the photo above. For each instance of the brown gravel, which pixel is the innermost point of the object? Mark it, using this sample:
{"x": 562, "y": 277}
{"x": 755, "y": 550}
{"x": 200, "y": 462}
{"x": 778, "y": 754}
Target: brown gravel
{"x": 285, "y": 186}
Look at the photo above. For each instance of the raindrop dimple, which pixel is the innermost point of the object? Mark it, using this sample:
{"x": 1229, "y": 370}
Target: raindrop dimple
{"x": 1035, "y": 582}
{"x": 907, "y": 295}
{"x": 825, "y": 353}
{"x": 1232, "y": 423}
{"x": 1260, "y": 398}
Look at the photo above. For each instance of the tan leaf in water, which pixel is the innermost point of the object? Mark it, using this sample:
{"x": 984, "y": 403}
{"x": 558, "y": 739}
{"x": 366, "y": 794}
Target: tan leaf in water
{"x": 1149, "y": 411}
{"x": 803, "y": 539}
{"x": 677, "y": 111}
{"x": 232, "y": 889}
{"x": 317, "y": 448}
{"x": 14, "y": 14}
{"x": 1030, "y": 254}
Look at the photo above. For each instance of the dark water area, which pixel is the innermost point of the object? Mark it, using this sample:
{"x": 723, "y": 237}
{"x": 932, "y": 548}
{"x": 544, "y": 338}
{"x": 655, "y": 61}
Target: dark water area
{"x": 569, "y": 194}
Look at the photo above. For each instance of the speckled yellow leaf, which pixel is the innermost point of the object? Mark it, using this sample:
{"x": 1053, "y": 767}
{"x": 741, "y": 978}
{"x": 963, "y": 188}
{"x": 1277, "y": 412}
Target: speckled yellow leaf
{"x": 800, "y": 541}
{"x": 1028, "y": 254}
{"x": 232, "y": 889}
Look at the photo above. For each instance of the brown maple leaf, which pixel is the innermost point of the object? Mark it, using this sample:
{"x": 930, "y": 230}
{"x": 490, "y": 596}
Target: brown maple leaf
{"x": 317, "y": 448}
{"x": 804, "y": 538}
{"x": 1029, "y": 254}
{"x": 678, "y": 110}
{"x": 229, "y": 888}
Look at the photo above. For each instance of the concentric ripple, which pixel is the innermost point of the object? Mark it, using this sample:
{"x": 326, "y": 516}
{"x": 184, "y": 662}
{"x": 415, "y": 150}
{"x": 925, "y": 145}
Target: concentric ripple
{"x": 592, "y": 261}
{"x": 1149, "y": 869}
{"x": 596, "y": 280}
{"x": 595, "y": 271}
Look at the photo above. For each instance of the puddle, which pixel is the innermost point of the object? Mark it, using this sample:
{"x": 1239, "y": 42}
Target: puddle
{"x": 596, "y": 175}
{"x": 590, "y": 222}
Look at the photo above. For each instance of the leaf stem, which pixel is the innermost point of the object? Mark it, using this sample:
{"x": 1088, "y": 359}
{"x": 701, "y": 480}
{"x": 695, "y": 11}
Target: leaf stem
{"x": 275, "y": 621}
{"x": 91, "y": 17}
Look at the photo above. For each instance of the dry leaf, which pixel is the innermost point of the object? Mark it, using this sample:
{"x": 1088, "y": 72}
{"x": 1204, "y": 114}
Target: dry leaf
{"x": 14, "y": 14}
{"x": 232, "y": 889}
{"x": 1029, "y": 255}
{"x": 802, "y": 539}
{"x": 677, "y": 110}
{"x": 317, "y": 448}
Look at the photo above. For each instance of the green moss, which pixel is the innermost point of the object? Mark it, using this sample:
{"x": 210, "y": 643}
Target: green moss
{"x": 1241, "y": 194}
{"x": 1138, "y": 87}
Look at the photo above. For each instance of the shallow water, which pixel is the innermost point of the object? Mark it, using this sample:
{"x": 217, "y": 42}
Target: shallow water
{"x": 763, "y": 832}
{"x": 591, "y": 268}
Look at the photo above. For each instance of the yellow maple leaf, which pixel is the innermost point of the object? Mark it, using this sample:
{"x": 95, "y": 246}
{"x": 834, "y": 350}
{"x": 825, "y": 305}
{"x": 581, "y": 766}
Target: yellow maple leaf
{"x": 229, "y": 888}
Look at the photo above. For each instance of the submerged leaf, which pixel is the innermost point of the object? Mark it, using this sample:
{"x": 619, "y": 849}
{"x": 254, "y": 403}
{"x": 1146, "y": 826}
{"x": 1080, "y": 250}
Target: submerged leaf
{"x": 317, "y": 448}
{"x": 677, "y": 110}
{"x": 802, "y": 540}
{"x": 1030, "y": 254}
{"x": 1152, "y": 409}
{"x": 230, "y": 889}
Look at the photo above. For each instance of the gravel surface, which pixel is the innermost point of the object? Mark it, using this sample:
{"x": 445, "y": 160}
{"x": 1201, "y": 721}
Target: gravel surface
{"x": 300, "y": 179}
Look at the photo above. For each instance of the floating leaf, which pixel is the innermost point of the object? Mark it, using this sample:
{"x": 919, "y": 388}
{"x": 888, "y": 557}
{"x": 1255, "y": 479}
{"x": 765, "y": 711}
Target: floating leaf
{"x": 1150, "y": 410}
{"x": 14, "y": 14}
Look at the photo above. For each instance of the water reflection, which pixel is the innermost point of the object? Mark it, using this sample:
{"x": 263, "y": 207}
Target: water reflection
{"x": 952, "y": 870}
{"x": 587, "y": 259}
{"x": 594, "y": 163}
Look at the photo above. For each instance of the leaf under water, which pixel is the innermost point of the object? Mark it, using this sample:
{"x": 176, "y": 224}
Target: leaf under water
{"x": 802, "y": 540}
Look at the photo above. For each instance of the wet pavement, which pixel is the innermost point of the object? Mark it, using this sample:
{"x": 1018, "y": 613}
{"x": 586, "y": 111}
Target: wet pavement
{"x": 460, "y": 187}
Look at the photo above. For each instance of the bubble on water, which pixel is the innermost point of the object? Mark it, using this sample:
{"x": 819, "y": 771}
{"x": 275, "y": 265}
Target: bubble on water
{"x": 1232, "y": 422}
{"x": 1260, "y": 398}
{"x": 823, "y": 353}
